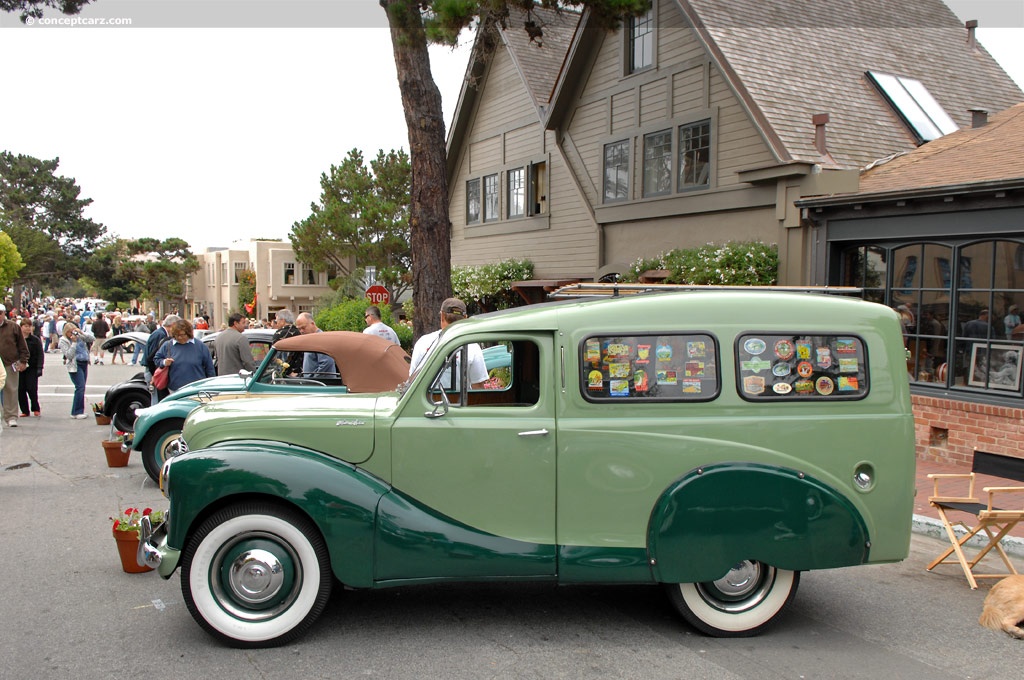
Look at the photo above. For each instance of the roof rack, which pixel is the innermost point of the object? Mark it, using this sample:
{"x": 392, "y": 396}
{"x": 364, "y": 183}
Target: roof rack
{"x": 575, "y": 290}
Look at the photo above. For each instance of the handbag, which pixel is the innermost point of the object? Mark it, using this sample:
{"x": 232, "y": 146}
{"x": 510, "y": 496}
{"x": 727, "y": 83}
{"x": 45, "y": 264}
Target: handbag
{"x": 160, "y": 378}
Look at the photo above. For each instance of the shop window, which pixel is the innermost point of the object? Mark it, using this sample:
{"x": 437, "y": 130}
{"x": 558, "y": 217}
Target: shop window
{"x": 958, "y": 303}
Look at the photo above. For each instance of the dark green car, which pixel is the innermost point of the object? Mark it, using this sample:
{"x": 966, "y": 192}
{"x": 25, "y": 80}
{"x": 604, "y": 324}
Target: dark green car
{"x": 717, "y": 443}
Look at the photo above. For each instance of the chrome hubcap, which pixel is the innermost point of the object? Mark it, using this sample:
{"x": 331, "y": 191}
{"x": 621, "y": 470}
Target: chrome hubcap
{"x": 746, "y": 585}
{"x": 255, "y": 576}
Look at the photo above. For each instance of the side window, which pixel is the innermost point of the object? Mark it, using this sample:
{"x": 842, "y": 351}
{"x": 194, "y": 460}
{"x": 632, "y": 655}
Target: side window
{"x": 771, "y": 366}
{"x": 676, "y": 367}
{"x": 503, "y": 373}
{"x": 473, "y": 201}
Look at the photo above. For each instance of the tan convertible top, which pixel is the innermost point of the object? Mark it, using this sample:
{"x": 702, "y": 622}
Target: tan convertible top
{"x": 367, "y": 363}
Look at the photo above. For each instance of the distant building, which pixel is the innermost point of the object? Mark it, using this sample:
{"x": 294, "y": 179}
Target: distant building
{"x": 281, "y": 281}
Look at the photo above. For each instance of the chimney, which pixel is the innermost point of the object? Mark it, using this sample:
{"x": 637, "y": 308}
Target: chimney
{"x": 820, "y": 120}
{"x": 972, "y": 40}
{"x": 979, "y": 117}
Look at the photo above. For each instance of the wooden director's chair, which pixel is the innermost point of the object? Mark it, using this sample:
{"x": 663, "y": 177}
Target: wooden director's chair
{"x": 993, "y": 522}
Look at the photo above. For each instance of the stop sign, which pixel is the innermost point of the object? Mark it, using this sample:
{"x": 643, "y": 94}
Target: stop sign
{"x": 378, "y": 295}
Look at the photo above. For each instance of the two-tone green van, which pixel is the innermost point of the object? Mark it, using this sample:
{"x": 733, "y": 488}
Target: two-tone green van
{"x": 715, "y": 442}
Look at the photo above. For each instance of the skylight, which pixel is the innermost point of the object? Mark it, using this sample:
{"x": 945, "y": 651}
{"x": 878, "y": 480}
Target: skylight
{"x": 915, "y": 105}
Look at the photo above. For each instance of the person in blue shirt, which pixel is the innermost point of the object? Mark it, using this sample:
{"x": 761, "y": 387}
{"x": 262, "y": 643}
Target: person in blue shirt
{"x": 157, "y": 339}
{"x": 316, "y": 365}
{"x": 187, "y": 359}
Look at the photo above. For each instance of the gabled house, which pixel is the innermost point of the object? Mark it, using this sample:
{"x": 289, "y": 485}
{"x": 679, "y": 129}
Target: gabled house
{"x": 704, "y": 120}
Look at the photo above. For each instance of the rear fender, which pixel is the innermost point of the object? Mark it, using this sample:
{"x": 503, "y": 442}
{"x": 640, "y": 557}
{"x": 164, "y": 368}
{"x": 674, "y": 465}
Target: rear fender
{"x": 716, "y": 516}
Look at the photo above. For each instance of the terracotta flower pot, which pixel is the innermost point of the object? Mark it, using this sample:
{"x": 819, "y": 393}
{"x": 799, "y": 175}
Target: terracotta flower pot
{"x": 115, "y": 456}
{"x": 102, "y": 419}
{"x": 128, "y": 548}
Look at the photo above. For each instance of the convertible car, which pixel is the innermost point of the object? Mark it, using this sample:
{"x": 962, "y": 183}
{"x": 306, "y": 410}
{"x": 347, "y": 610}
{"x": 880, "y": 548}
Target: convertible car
{"x": 366, "y": 363}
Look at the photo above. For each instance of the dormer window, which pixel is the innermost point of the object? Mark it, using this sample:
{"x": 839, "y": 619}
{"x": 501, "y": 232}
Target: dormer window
{"x": 915, "y": 105}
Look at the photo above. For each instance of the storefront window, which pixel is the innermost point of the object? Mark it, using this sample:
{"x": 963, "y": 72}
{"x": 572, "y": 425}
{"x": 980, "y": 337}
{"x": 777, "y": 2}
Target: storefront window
{"x": 959, "y": 304}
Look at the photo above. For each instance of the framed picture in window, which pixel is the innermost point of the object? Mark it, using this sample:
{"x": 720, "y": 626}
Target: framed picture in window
{"x": 996, "y": 367}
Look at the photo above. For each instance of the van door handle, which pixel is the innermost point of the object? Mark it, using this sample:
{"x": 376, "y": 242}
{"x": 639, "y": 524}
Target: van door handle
{"x": 533, "y": 433}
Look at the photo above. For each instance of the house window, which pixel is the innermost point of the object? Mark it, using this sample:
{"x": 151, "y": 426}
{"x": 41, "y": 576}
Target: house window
{"x": 491, "y": 198}
{"x": 954, "y": 302}
{"x": 516, "y": 192}
{"x": 309, "y": 277}
{"x": 694, "y": 155}
{"x": 239, "y": 268}
{"x": 641, "y": 42}
{"x": 538, "y": 188}
{"x": 289, "y": 273}
{"x": 658, "y": 163}
{"x": 915, "y": 105}
{"x": 223, "y": 273}
{"x": 473, "y": 201}
{"x": 616, "y": 171}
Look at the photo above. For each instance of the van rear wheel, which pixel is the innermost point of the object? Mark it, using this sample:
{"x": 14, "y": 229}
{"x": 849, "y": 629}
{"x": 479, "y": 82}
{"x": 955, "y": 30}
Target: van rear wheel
{"x": 748, "y": 599}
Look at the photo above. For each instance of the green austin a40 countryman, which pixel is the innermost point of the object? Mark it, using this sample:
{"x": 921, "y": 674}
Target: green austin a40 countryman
{"x": 715, "y": 442}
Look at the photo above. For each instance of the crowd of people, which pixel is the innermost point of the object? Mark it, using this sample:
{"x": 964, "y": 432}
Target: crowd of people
{"x": 77, "y": 330}
{"x": 71, "y": 329}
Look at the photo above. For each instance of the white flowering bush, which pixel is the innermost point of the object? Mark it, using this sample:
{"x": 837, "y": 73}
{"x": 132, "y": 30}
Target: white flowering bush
{"x": 731, "y": 264}
{"x": 489, "y": 287}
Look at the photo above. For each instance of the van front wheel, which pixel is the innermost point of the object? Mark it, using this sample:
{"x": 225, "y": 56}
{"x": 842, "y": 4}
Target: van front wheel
{"x": 740, "y": 604}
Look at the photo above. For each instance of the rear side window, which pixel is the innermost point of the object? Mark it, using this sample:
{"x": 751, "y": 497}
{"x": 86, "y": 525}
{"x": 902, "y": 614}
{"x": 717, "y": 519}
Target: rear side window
{"x": 774, "y": 366}
{"x": 676, "y": 367}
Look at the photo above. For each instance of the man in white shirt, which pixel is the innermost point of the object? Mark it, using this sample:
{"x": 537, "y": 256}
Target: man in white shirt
{"x": 452, "y": 309}
{"x": 374, "y": 326}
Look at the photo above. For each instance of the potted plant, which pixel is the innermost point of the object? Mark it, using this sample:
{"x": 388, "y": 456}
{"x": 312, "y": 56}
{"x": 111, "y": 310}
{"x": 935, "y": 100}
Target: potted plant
{"x": 126, "y": 533}
{"x": 97, "y": 411}
{"x": 114, "y": 449}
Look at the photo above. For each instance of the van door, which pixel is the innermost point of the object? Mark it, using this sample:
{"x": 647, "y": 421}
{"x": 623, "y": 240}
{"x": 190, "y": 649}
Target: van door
{"x": 476, "y": 472}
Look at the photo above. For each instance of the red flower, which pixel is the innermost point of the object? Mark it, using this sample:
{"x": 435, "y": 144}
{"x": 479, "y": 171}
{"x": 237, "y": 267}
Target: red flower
{"x": 147, "y": 511}
{"x": 117, "y": 523}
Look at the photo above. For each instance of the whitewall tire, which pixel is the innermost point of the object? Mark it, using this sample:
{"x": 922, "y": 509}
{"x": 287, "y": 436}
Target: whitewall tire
{"x": 256, "y": 575}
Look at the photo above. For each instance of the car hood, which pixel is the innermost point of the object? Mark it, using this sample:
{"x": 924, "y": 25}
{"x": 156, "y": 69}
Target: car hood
{"x": 338, "y": 425}
{"x": 222, "y": 383}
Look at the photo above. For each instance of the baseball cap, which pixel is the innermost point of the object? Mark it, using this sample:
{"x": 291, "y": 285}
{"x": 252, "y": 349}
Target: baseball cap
{"x": 454, "y": 306}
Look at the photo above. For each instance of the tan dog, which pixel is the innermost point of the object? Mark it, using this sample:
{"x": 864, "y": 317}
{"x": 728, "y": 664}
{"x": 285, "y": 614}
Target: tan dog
{"x": 1004, "y": 607}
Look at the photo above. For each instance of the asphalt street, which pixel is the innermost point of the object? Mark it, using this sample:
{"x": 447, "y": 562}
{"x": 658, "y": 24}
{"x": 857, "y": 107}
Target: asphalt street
{"x": 68, "y": 611}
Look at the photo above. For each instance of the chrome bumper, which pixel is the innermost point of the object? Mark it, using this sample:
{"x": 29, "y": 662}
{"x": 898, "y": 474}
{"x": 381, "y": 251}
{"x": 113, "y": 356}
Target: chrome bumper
{"x": 153, "y": 549}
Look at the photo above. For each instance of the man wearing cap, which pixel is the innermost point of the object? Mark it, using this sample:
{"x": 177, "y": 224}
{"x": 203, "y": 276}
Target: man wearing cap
{"x": 14, "y": 353}
{"x": 452, "y": 309}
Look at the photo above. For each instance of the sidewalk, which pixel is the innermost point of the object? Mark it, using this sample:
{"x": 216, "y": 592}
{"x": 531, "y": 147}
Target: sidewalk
{"x": 926, "y": 519}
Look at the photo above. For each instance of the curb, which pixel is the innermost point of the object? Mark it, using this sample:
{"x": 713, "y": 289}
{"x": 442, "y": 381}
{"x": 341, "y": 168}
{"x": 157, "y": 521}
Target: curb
{"x": 929, "y": 526}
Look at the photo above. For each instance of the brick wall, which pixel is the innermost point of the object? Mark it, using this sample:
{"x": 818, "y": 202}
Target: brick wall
{"x": 949, "y": 431}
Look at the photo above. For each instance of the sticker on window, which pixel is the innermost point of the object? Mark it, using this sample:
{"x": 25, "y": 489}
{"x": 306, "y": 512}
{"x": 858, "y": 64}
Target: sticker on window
{"x": 773, "y": 366}
{"x": 649, "y": 367}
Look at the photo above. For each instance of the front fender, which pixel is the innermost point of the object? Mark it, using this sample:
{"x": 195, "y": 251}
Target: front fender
{"x": 717, "y": 516}
{"x": 153, "y": 415}
{"x": 128, "y": 388}
{"x": 340, "y": 498}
